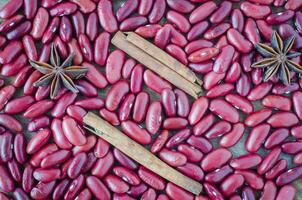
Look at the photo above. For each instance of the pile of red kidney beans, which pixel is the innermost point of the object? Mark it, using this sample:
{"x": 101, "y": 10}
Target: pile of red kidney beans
{"x": 45, "y": 153}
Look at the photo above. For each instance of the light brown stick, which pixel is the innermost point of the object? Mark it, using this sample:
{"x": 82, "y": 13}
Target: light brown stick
{"x": 163, "y": 57}
{"x": 119, "y": 40}
{"x": 138, "y": 153}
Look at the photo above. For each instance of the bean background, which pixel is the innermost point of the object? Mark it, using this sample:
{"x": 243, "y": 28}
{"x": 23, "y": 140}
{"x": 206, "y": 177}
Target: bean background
{"x": 237, "y": 150}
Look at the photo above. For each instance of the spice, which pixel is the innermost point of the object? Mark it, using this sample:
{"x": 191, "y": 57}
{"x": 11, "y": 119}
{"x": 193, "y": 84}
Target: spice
{"x": 58, "y": 73}
{"x": 277, "y": 58}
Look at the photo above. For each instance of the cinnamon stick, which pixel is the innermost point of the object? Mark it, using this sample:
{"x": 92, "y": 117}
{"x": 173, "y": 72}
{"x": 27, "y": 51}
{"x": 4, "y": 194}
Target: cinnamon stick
{"x": 120, "y": 41}
{"x": 138, "y": 153}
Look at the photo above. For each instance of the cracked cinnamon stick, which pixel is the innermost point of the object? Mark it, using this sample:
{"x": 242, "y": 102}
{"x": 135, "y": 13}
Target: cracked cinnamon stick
{"x": 145, "y": 53}
{"x": 138, "y": 153}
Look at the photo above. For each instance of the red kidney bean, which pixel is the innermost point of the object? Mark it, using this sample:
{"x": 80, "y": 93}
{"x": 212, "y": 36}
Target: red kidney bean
{"x": 84, "y": 195}
{"x": 145, "y": 6}
{"x": 85, "y": 46}
{"x": 155, "y": 82}
{"x": 76, "y": 112}
{"x": 132, "y": 23}
{"x": 127, "y": 69}
{"x": 298, "y": 159}
{"x": 197, "y": 30}
{"x": 197, "y": 45}
{"x": 18, "y": 105}
{"x": 265, "y": 29}
{"x": 177, "y": 53}
{"x": 136, "y": 82}
{"x": 192, "y": 154}
{"x": 124, "y": 160}
{"x": 135, "y": 132}
{"x": 257, "y": 117}
{"x": 29, "y": 87}
{"x": 220, "y": 90}
{"x": 90, "y": 103}
{"x": 106, "y": 16}
{"x": 10, "y": 52}
{"x": 30, "y": 47}
{"x": 203, "y": 54}
{"x": 236, "y": 39}
{"x": 277, "y": 101}
{"x": 60, "y": 189}
{"x": 192, "y": 170}
{"x": 218, "y": 129}
{"x": 10, "y": 23}
{"x": 91, "y": 159}
{"x": 298, "y": 21}
{"x": 283, "y": 119}
{"x": 168, "y": 100}
{"x": 287, "y": 192}
{"x": 39, "y": 25}
{"x": 216, "y": 31}
{"x": 148, "y": 31}
{"x": 172, "y": 158}
{"x": 252, "y": 179}
{"x": 85, "y": 6}
{"x": 251, "y": 32}
{"x": 160, "y": 141}
{"x": 58, "y": 134}
{"x": 45, "y": 53}
{"x": 126, "y": 9}
{"x": 55, "y": 158}
{"x": 30, "y": 8}
{"x": 92, "y": 26}
{"x": 74, "y": 48}
{"x": 91, "y": 140}
{"x": 291, "y": 147}
{"x": 297, "y": 100}
{"x": 46, "y": 175}
{"x": 175, "y": 192}
{"x": 269, "y": 160}
{"x": 127, "y": 175}
{"x": 222, "y": 12}
{"x": 6, "y": 181}
{"x": 259, "y": 91}
{"x": 98, "y": 189}
{"x": 178, "y": 138}
{"x": 286, "y": 30}
{"x": 296, "y": 132}
{"x": 157, "y": 11}
{"x": 248, "y": 193}
{"x": 198, "y": 110}
{"x": 181, "y": 6}
{"x": 38, "y": 141}
{"x": 219, "y": 174}
{"x": 255, "y": 11}
{"x": 14, "y": 67}
{"x": 231, "y": 184}
{"x": 136, "y": 191}
{"x": 283, "y": 89}
{"x": 202, "y": 12}
{"x": 162, "y": 37}
{"x": 20, "y": 194}
{"x": 51, "y": 30}
{"x": 223, "y": 60}
{"x": 140, "y": 107}
{"x": 38, "y": 108}
{"x": 151, "y": 178}
{"x": 276, "y": 138}
{"x": 225, "y": 113}
{"x": 256, "y": 76}
{"x": 10, "y": 122}
{"x": 102, "y": 165}
{"x": 176, "y": 37}
{"x": 200, "y": 143}
{"x": 62, "y": 104}
{"x": 27, "y": 178}
{"x": 15, "y": 170}
{"x": 38, "y": 156}
{"x": 20, "y": 148}
{"x": 10, "y": 8}
{"x": 122, "y": 196}
{"x": 116, "y": 94}
{"x": 293, "y": 4}
{"x": 42, "y": 190}
{"x": 38, "y": 123}
{"x": 281, "y": 17}
{"x": 101, "y": 48}
{"x": 269, "y": 191}
{"x": 149, "y": 194}
{"x": 95, "y": 76}
{"x": 256, "y": 137}
{"x": 5, "y": 94}
{"x": 240, "y": 103}
{"x": 73, "y": 132}
{"x": 211, "y": 79}
{"x": 20, "y": 78}
{"x": 19, "y": 31}
{"x": 174, "y": 123}
{"x": 289, "y": 176}
{"x": 221, "y": 156}
{"x": 109, "y": 116}
{"x": 115, "y": 184}
{"x": 6, "y": 152}
{"x": 179, "y": 21}
{"x": 280, "y": 167}
{"x": 202, "y": 68}
{"x": 203, "y": 125}
{"x": 76, "y": 165}
{"x": 126, "y": 107}
{"x": 213, "y": 192}
{"x": 101, "y": 148}
{"x": 65, "y": 29}
{"x": 237, "y": 20}
{"x": 78, "y": 22}
{"x": 246, "y": 161}
{"x": 182, "y": 103}
{"x": 75, "y": 187}
{"x": 62, "y": 9}
{"x": 153, "y": 117}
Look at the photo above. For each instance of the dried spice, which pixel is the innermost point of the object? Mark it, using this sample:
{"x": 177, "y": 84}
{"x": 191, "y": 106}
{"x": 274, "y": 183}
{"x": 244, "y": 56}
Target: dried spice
{"x": 57, "y": 74}
{"x": 277, "y": 58}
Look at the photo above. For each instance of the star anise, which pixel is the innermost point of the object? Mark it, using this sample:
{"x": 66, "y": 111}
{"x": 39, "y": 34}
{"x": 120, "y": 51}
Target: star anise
{"x": 57, "y": 73}
{"x": 277, "y": 58}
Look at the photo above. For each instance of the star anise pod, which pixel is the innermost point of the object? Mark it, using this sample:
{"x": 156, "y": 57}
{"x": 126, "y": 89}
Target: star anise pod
{"x": 277, "y": 58}
{"x": 57, "y": 73}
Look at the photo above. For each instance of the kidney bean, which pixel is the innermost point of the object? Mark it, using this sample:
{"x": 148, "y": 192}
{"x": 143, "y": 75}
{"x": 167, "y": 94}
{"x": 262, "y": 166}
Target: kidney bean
{"x": 58, "y": 134}
{"x": 298, "y": 159}
{"x": 18, "y": 105}
{"x": 140, "y": 107}
{"x": 162, "y": 37}
{"x": 74, "y": 48}
{"x": 10, "y": 8}
{"x": 296, "y": 132}
{"x": 175, "y": 192}
{"x": 200, "y": 143}
{"x": 84, "y": 195}
{"x": 269, "y": 191}
{"x": 42, "y": 190}
{"x": 38, "y": 141}
{"x": 174, "y": 123}
{"x": 10, "y": 122}
{"x": 116, "y": 94}
{"x": 136, "y": 191}
{"x": 202, "y": 68}
{"x": 255, "y": 11}
{"x": 181, "y": 6}
{"x": 121, "y": 197}
{"x": 95, "y": 76}
{"x": 19, "y": 148}
{"x": 38, "y": 108}
{"x": 90, "y": 103}
{"x": 293, "y": 4}
{"x": 91, "y": 140}
{"x": 76, "y": 165}
{"x": 237, "y": 20}
{"x": 257, "y": 117}
{"x": 85, "y": 46}
{"x": 29, "y": 87}
{"x": 45, "y": 53}
{"x": 92, "y": 26}
{"x": 133, "y": 23}
{"x": 256, "y": 76}
{"x": 192, "y": 171}
{"x": 75, "y": 187}
{"x": 288, "y": 192}
{"x": 289, "y": 176}
{"x": 151, "y": 178}
{"x": 65, "y": 29}
{"x": 203, "y": 125}
{"x": 198, "y": 110}
{"x": 168, "y": 100}
{"x": 101, "y": 148}
{"x": 5, "y": 94}
{"x": 126, "y": 10}
{"x": 14, "y": 67}
{"x": 220, "y": 90}
{"x": 213, "y": 192}
{"x": 291, "y": 147}
{"x": 98, "y": 189}
{"x": 178, "y": 138}
{"x": 223, "y": 60}
{"x": 38, "y": 156}
{"x": 127, "y": 175}
{"x": 135, "y": 132}
{"x": 85, "y": 6}
{"x": 179, "y": 21}
{"x": 265, "y": 29}
{"x": 269, "y": 160}
{"x": 76, "y": 112}
{"x": 222, "y": 12}
{"x": 219, "y": 174}
{"x": 6, "y": 181}
{"x": 15, "y": 170}
{"x": 276, "y": 138}
{"x": 160, "y": 141}
{"x": 62, "y": 9}
{"x": 203, "y": 54}
{"x": 19, "y": 31}
{"x": 278, "y": 102}
{"x": 10, "y": 52}
{"x": 259, "y": 91}
{"x": 211, "y": 79}
{"x": 231, "y": 184}
{"x": 148, "y": 31}
{"x": 72, "y": 131}
{"x": 240, "y": 103}
{"x": 283, "y": 119}
{"x": 246, "y": 161}
{"x": 30, "y": 47}
{"x": 20, "y": 194}
{"x": 281, "y": 17}
{"x": 10, "y": 23}
{"x": 286, "y": 30}
{"x": 192, "y": 154}
{"x": 40, "y": 23}
{"x": 91, "y": 159}
{"x": 115, "y": 184}
{"x": 106, "y": 16}
{"x": 219, "y": 129}
{"x": 38, "y": 123}
{"x": 103, "y": 165}
{"x": 145, "y": 6}
{"x": 109, "y": 116}
{"x": 27, "y": 178}
{"x": 62, "y": 104}
{"x": 149, "y": 194}
{"x": 216, "y": 31}
{"x": 282, "y": 89}
{"x": 221, "y": 156}
{"x": 237, "y": 40}
{"x": 60, "y": 189}
{"x": 251, "y": 31}
{"x": 136, "y": 81}
{"x": 197, "y": 30}
{"x": 47, "y": 175}
{"x": 216, "y": 107}
{"x": 157, "y": 11}
{"x": 197, "y": 45}
{"x": 297, "y": 99}
{"x": 6, "y": 152}
{"x": 252, "y": 179}
{"x": 172, "y": 158}
{"x": 124, "y": 160}
{"x": 202, "y": 12}
{"x": 280, "y": 167}
{"x": 256, "y": 137}
{"x": 55, "y": 158}
{"x": 177, "y": 53}
{"x": 126, "y": 107}
{"x": 51, "y": 30}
